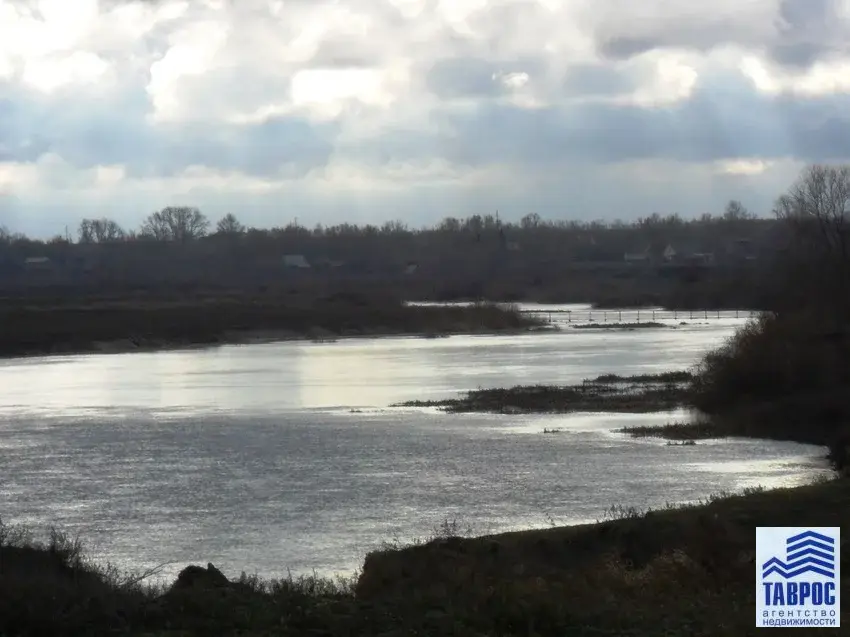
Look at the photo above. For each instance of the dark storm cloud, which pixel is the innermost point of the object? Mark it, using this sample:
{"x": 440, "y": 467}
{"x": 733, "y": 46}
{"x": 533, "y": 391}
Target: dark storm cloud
{"x": 725, "y": 118}
{"x": 807, "y": 31}
{"x": 796, "y": 34}
{"x": 95, "y": 132}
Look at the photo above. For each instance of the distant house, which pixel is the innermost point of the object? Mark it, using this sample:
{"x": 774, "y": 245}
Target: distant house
{"x": 295, "y": 261}
{"x": 38, "y": 263}
{"x": 653, "y": 254}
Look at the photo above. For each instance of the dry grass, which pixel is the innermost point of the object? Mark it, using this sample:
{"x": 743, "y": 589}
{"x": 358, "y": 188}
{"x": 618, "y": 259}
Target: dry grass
{"x": 686, "y": 571}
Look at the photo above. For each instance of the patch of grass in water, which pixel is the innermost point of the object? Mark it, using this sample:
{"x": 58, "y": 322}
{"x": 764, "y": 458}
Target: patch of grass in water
{"x": 618, "y": 326}
{"x": 663, "y": 377}
{"x": 590, "y": 397}
{"x": 641, "y": 393}
{"x": 676, "y": 431}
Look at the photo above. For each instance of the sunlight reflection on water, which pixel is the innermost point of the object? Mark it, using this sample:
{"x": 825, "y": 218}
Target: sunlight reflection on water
{"x": 287, "y": 455}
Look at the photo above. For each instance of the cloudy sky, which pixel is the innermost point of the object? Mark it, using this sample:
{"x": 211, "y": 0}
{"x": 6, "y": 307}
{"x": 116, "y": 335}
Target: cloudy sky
{"x": 372, "y": 110}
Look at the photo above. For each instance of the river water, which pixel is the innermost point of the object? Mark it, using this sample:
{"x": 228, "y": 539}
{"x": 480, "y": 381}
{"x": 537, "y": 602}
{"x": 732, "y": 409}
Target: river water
{"x": 288, "y": 456}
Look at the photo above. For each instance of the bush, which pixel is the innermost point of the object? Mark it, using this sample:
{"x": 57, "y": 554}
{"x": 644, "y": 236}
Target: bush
{"x": 771, "y": 358}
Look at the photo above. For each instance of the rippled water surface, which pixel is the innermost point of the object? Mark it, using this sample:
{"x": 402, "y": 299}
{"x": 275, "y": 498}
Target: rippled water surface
{"x": 283, "y": 456}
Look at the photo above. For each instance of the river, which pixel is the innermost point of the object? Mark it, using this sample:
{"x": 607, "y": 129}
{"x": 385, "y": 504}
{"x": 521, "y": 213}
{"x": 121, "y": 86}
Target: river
{"x": 287, "y": 456}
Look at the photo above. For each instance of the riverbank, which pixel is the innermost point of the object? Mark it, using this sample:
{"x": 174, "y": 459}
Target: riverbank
{"x": 609, "y": 393}
{"x": 677, "y": 571}
{"x": 151, "y": 324}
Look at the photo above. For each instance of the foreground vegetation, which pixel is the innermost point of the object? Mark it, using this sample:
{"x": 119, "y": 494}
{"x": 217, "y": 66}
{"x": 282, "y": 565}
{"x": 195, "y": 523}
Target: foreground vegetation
{"x": 677, "y": 572}
{"x": 610, "y": 393}
{"x": 54, "y": 326}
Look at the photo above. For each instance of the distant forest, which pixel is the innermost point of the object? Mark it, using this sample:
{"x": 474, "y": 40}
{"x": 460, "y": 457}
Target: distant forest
{"x": 712, "y": 261}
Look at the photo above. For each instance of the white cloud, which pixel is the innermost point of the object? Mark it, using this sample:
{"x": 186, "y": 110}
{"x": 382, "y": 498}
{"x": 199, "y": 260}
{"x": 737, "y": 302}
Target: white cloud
{"x": 192, "y": 50}
{"x": 827, "y": 77}
{"x": 414, "y": 107}
{"x": 742, "y": 166}
{"x": 81, "y": 67}
{"x": 325, "y": 92}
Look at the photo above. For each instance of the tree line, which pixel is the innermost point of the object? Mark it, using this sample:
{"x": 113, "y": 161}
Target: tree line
{"x": 184, "y": 224}
{"x": 480, "y": 256}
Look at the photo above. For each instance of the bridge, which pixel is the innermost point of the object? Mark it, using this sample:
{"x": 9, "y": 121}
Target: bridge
{"x": 639, "y": 316}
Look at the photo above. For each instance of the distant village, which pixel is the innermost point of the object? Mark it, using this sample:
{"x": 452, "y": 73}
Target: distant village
{"x": 734, "y": 252}
{"x": 476, "y": 256}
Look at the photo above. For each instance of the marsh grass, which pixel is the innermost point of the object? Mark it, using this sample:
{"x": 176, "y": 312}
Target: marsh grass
{"x": 661, "y": 378}
{"x": 611, "y": 393}
{"x": 676, "y": 431}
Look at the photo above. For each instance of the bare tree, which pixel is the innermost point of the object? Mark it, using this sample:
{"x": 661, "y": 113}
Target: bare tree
{"x": 531, "y": 220}
{"x": 735, "y": 211}
{"x": 816, "y": 213}
{"x": 394, "y": 227}
{"x": 229, "y": 225}
{"x": 449, "y": 224}
{"x": 180, "y": 224}
{"x": 100, "y": 231}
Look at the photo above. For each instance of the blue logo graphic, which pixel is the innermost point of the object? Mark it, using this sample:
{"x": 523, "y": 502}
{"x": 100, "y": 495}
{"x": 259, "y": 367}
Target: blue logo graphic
{"x": 807, "y": 552}
{"x": 798, "y": 576}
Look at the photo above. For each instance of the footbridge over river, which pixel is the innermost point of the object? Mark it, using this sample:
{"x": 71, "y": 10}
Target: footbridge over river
{"x": 638, "y": 316}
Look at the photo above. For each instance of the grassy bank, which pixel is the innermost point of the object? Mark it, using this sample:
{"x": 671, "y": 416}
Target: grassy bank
{"x": 677, "y": 572}
{"x": 611, "y": 393}
{"x": 127, "y": 324}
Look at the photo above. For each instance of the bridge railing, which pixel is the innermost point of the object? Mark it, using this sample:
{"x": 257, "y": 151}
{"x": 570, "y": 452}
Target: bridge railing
{"x": 638, "y": 316}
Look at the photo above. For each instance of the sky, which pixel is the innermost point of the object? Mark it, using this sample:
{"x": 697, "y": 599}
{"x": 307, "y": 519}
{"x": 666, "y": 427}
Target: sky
{"x": 330, "y": 111}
